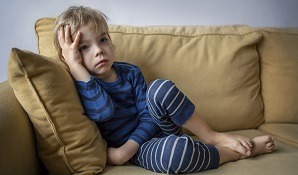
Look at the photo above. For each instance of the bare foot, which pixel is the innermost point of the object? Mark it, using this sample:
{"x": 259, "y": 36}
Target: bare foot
{"x": 261, "y": 145}
{"x": 237, "y": 143}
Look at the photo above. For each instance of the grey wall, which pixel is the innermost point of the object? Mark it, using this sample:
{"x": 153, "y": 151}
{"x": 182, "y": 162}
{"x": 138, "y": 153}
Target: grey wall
{"x": 18, "y": 16}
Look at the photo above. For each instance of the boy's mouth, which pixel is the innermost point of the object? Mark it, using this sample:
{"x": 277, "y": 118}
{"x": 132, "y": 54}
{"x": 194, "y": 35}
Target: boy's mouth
{"x": 102, "y": 62}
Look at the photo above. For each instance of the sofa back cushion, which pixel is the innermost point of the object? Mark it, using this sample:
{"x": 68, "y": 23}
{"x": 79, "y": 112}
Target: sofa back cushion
{"x": 216, "y": 67}
{"x": 279, "y": 74}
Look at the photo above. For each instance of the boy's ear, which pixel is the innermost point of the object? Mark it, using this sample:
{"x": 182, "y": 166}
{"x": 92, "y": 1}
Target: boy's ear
{"x": 64, "y": 63}
{"x": 62, "y": 58}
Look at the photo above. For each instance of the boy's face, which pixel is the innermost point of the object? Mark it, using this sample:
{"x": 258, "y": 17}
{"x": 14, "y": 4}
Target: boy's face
{"x": 97, "y": 51}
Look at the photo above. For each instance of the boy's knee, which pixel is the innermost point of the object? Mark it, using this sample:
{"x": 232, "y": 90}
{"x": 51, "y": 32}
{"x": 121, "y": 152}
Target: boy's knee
{"x": 158, "y": 89}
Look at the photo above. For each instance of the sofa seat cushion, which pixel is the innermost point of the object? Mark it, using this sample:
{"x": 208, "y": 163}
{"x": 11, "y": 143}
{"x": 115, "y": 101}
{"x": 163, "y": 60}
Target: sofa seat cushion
{"x": 67, "y": 141}
{"x": 282, "y": 161}
{"x": 287, "y": 133}
{"x": 279, "y": 74}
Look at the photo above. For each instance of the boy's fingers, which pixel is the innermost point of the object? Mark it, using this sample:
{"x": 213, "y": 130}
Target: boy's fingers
{"x": 77, "y": 39}
{"x": 247, "y": 144}
{"x": 61, "y": 35}
{"x": 67, "y": 34}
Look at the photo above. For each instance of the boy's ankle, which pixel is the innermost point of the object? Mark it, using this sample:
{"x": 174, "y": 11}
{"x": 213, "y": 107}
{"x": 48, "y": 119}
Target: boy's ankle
{"x": 215, "y": 139}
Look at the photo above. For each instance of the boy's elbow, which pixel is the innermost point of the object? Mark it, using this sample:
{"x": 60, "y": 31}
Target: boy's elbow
{"x": 118, "y": 162}
{"x": 101, "y": 116}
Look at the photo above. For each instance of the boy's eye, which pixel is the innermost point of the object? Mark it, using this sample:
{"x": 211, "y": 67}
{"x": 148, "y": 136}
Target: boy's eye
{"x": 103, "y": 40}
{"x": 83, "y": 48}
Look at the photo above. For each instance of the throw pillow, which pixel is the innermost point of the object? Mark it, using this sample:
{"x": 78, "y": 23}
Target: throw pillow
{"x": 67, "y": 141}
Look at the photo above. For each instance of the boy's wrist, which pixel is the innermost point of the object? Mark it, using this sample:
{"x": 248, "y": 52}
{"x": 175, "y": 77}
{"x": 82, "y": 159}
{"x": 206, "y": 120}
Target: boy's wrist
{"x": 130, "y": 148}
{"x": 74, "y": 65}
{"x": 79, "y": 72}
{"x": 118, "y": 156}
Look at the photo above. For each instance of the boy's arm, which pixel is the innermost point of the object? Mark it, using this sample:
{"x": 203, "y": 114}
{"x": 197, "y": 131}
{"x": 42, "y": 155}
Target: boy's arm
{"x": 97, "y": 103}
{"x": 71, "y": 54}
{"x": 146, "y": 128}
{"x": 118, "y": 156}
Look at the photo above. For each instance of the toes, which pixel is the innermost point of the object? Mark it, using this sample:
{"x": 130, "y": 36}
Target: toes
{"x": 270, "y": 141}
{"x": 270, "y": 149}
{"x": 270, "y": 146}
{"x": 270, "y": 138}
{"x": 266, "y": 139}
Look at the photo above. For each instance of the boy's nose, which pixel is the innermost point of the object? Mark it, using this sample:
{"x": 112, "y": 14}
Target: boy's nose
{"x": 98, "y": 50}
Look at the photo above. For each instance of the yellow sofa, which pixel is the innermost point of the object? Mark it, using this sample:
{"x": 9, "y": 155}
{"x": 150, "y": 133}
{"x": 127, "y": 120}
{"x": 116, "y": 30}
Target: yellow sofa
{"x": 243, "y": 80}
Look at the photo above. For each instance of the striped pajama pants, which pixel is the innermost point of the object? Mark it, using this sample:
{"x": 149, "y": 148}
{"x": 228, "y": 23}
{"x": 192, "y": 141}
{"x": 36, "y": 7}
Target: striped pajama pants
{"x": 172, "y": 152}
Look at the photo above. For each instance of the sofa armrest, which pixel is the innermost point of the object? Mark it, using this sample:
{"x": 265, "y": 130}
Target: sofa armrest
{"x": 18, "y": 150}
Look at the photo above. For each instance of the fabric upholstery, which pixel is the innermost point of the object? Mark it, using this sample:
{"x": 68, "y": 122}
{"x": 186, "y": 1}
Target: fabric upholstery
{"x": 17, "y": 136}
{"x": 67, "y": 141}
{"x": 279, "y": 74}
{"x": 45, "y": 37}
{"x": 218, "y": 66}
{"x": 283, "y": 131}
{"x": 279, "y": 162}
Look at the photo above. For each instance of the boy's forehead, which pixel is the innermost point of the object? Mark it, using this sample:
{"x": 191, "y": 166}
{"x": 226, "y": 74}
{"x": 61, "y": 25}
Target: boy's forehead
{"x": 90, "y": 31}
{"x": 93, "y": 28}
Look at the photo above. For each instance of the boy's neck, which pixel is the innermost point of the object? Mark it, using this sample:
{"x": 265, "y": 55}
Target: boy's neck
{"x": 110, "y": 76}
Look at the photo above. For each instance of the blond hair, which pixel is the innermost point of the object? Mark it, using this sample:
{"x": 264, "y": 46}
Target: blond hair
{"x": 78, "y": 16}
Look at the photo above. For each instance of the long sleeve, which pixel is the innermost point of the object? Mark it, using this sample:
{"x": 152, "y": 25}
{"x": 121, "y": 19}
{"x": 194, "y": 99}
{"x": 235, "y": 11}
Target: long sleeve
{"x": 96, "y": 101}
{"x": 146, "y": 128}
{"x": 119, "y": 108}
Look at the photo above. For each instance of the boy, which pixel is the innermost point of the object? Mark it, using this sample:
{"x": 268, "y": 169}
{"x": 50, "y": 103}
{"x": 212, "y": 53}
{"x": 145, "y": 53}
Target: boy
{"x": 141, "y": 125}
